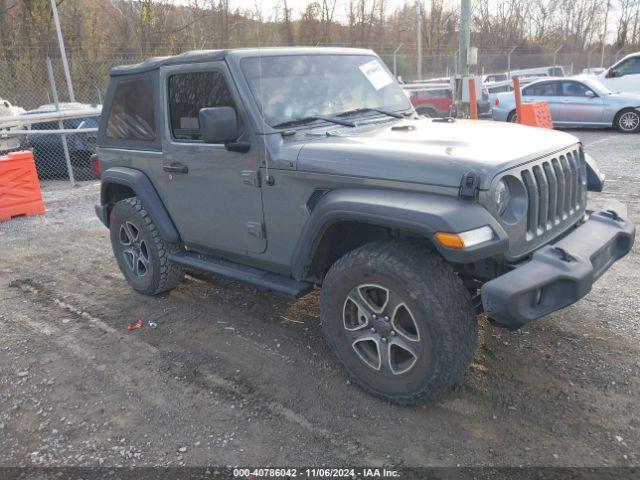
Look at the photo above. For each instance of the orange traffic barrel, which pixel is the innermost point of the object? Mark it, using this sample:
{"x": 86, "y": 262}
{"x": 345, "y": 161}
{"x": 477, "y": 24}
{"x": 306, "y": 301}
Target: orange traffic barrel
{"x": 536, "y": 114}
{"x": 19, "y": 186}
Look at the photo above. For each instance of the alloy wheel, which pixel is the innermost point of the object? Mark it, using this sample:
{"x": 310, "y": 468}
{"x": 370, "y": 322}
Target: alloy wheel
{"x": 381, "y": 329}
{"x": 629, "y": 121}
{"x": 135, "y": 251}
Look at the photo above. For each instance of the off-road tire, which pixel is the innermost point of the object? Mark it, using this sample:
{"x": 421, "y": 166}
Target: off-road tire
{"x": 627, "y": 115}
{"x": 443, "y": 311}
{"x": 161, "y": 275}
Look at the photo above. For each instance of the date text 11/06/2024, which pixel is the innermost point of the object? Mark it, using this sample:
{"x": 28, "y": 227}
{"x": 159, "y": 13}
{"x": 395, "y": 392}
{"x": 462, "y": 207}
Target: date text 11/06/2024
{"x": 256, "y": 473}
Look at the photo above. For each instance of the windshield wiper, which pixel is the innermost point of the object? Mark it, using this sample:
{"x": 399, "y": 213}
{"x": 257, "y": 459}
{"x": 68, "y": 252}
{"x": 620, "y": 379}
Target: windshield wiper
{"x": 313, "y": 118}
{"x": 367, "y": 109}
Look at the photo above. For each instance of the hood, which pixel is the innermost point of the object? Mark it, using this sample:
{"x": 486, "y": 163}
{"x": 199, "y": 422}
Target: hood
{"x": 429, "y": 152}
{"x": 628, "y": 99}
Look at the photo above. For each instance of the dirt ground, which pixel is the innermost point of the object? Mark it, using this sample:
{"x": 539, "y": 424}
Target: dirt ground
{"x": 233, "y": 375}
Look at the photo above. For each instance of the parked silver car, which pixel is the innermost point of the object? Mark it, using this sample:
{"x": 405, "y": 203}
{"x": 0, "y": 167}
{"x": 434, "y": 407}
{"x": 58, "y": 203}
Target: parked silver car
{"x": 575, "y": 102}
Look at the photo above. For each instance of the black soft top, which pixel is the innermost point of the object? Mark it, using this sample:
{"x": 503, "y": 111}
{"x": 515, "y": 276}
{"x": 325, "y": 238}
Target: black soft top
{"x": 153, "y": 63}
{"x": 202, "y": 56}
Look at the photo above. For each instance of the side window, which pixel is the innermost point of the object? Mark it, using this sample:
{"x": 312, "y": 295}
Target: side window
{"x": 529, "y": 91}
{"x": 132, "y": 113}
{"x": 188, "y": 93}
{"x": 541, "y": 90}
{"x": 573, "y": 89}
{"x": 630, "y": 67}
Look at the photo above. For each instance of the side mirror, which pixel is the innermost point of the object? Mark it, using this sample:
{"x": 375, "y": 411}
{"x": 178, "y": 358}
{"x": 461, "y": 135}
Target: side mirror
{"x": 589, "y": 94}
{"x": 611, "y": 73}
{"x": 218, "y": 124}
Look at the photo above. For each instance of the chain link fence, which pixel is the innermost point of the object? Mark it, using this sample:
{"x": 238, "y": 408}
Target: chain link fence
{"x": 28, "y": 86}
{"x": 443, "y": 64}
{"x": 62, "y": 148}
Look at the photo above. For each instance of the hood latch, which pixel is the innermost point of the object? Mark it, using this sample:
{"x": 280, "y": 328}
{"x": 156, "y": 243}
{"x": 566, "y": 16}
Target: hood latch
{"x": 469, "y": 185}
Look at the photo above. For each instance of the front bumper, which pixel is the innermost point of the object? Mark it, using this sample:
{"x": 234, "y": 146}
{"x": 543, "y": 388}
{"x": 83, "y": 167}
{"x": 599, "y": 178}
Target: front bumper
{"x": 560, "y": 274}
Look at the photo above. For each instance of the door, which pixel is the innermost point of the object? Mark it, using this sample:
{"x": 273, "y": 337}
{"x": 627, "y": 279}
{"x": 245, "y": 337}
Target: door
{"x": 212, "y": 194}
{"x": 547, "y": 91}
{"x": 580, "y": 104}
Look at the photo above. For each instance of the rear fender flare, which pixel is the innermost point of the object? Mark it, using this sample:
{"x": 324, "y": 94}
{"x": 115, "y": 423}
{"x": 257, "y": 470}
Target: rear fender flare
{"x": 140, "y": 184}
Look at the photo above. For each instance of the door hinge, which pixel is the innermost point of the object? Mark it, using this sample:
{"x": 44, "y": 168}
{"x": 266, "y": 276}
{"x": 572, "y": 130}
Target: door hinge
{"x": 251, "y": 178}
{"x": 256, "y": 229}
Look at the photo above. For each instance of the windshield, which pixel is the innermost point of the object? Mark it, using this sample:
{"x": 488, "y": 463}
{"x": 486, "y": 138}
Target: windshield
{"x": 293, "y": 87}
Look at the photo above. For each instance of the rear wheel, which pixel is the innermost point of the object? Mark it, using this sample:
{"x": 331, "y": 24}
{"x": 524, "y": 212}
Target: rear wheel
{"x": 140, "y": 251}
{"x": 628, "y": 121}
{"x": 399, "y": 320}
{"x": 513, "y": 117}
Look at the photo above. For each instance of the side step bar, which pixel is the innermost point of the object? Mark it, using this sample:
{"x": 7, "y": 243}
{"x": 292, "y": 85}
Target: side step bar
{"x": 261, "y": 278}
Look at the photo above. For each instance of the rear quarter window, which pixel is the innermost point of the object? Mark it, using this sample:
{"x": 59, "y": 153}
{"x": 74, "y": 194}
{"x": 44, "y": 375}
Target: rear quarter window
{"x": 132, "y": 112}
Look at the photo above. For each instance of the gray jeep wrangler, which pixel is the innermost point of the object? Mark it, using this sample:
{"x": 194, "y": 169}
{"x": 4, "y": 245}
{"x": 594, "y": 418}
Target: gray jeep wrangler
{"x": 294, "y": 167}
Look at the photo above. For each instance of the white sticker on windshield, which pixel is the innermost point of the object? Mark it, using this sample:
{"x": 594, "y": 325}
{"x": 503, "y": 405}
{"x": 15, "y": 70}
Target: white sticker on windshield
{"x": 377, "y": 76}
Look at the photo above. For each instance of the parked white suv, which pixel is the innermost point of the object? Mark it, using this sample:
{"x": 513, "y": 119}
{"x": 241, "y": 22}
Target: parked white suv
{"x": 624, "y": 76}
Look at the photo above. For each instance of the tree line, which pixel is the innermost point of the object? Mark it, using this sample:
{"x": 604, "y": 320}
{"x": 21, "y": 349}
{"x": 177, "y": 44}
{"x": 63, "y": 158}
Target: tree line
{"x": 149, "y": 27}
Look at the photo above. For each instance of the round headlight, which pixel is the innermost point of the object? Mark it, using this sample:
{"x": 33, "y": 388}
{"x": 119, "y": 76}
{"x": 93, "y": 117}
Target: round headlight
{"x": 501, "y": 195}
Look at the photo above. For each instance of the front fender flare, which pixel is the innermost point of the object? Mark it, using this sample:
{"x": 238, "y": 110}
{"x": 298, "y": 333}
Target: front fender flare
{"x": 145, "y": 191}
{"x": 419, "y": 213}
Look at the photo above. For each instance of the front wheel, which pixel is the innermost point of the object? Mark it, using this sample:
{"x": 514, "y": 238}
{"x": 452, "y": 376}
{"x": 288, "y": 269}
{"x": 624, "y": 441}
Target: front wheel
{"x": 628, "y": 121}
{"x": 399, "y": 320}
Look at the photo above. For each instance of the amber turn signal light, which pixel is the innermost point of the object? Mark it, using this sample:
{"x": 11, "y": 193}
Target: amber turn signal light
{"x": 451, "y": 240}
{"x": 466, "y": 239}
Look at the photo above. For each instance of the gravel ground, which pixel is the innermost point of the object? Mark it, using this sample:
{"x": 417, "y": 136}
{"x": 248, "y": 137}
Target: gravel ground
{"x": 234, "y": 375}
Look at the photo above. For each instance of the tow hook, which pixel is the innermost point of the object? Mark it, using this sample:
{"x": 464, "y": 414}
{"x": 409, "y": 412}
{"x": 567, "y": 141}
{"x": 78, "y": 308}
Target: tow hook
{"x": 565, "y": 256}
{"x": 614, "y": 215}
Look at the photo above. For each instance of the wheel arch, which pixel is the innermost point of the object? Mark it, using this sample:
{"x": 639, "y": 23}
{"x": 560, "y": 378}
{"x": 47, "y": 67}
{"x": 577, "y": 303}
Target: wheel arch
{"x": 342, "y": 236}
{"x": 616, "y": 117}
{"x": 428, "y": 110}
{"x": 118, "y": 183}
{"x": 347, "y": 219}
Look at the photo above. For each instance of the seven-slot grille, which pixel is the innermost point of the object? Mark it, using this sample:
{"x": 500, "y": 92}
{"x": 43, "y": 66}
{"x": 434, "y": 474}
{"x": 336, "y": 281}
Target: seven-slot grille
{"x": 555, "y": 190}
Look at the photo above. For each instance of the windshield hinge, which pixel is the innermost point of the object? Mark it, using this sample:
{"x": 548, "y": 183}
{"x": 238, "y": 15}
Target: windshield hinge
{"x": 251, "y": 178}
{"x": 469, "y": 185}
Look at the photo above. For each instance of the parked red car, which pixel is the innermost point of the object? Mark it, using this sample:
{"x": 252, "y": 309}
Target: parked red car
{"x": 430, "y": 101}
{"x": 437, "y": 101}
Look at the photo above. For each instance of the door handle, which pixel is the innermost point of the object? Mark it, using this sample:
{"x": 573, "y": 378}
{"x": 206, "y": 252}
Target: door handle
{"x": 176, "y": 167}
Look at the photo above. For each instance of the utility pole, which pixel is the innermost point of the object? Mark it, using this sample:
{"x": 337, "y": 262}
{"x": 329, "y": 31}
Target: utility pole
{"x": 463, "y": 54}
{"x": 63, "y": 53}
{"x": 419, "y": 39}
{"x": 604, "y": 32}
{"x": 464, "y": 37}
